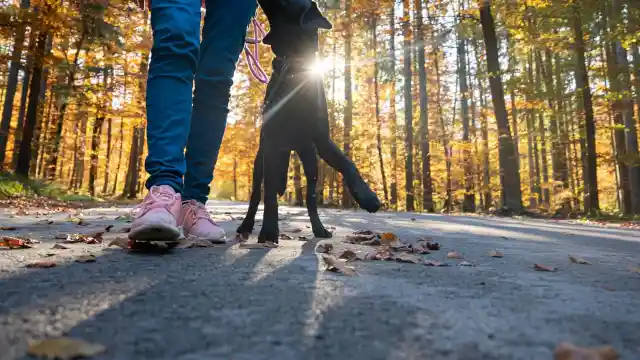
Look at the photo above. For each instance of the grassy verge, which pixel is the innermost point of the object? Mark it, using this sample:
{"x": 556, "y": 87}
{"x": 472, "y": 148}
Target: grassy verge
{"x": 12, "y": 186}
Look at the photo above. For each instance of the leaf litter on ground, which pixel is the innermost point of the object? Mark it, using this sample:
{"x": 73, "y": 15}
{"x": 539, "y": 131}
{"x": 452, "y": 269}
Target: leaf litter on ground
{"x": 324, "y": 248}
{"x": 65, "y": 348}
{"x": 90, "y": 238}
{"x": 540, "y": 267}
{"x": 266, "y": 245}
{"x": 41, "y": 265}
{"x": 578, "y": 260}
{"x": 454, "y": 255}
{"x": 335, "y": 265}
{"x": 16, "y": 243}
{"x": 568, "y": 351}
{"x": 496, "y": 254}
{"x": 120, "y": 242}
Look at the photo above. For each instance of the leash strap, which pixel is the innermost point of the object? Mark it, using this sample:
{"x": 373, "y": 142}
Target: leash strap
{"x": 253, "y": 58}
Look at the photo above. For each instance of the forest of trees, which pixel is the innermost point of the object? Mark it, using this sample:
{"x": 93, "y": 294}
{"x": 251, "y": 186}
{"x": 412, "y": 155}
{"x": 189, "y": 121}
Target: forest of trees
{"x": 445, "y": 105}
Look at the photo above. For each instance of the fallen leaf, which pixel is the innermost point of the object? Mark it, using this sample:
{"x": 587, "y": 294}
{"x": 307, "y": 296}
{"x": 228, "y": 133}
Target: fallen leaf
{"x": 41, "y": 265}
{"x": 634, "y": 269}
{"x": 382, "y": 253}
{"x": 540, "y": 267}
{"x": 8, "y": 228}
{"x": 435, "y": 263}
{"x": 364, "y": 237}
{"x": 266, "y": 245}
{"x": 15, "y": 243}
{"x": 59, "y": 246}
{"x": 429, "y": 244}
{"x": 296, "y": 230}
{"x": 496, "y": 254}
{"x": 465, "y": 263}
{"x": 108, "y": 228}
{"x": 324, "y": 248}
{"x": 568, "y": 351}
{"x": 348, "y": 255}
{"x": 454, "y": 255}
{"x": 388, "y": 238}
{"x": 285, "y": 237}
{"x": 578, "y": 260}
{"x": 407, "y": 258}
{"x": 86, "y": 259}
{"x": 335, "y": 265}
{"x": 120, "y": 242}
{"x": 125, "y": 229}
{"x": 65, "y": 348}
{"x": 197, "y": 243}
{"x": 91, "y": 238}
{"x": 303, "y": 238}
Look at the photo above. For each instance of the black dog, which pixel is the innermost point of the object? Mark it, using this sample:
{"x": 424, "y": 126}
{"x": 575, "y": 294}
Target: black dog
{"x": 295, "y": 118}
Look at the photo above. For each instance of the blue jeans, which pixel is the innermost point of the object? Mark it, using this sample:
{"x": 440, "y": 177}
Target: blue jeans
{"x": 176, "y": 119}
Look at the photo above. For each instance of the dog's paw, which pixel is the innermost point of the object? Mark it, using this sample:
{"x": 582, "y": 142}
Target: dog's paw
{"x": 245, "y": 228}
{"x": 322, "y": 233}
{"x": 267, "y": 235}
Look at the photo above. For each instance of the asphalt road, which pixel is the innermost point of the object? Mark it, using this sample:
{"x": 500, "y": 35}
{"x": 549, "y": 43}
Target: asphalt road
{"x": 230, "y": 303}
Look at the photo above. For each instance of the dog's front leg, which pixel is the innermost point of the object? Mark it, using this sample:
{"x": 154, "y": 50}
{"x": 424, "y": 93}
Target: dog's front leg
{"x": 310, "y": 165}
{"x": 249, "y": 220}
{"x": 269, "y": 231}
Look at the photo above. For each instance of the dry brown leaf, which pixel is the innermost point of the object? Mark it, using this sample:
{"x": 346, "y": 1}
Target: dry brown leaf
{"x": 335, "y": 265}
{"x": 120, "y": 242}
{"x": 388, "y": 239}
{"x": 86, "y": 259}
{"x": 433, "y": 246}
{"x": 634, "y": 269}
{"x": 41, "y": 265}
{"x": 324, "y": 248}
{"x": 59, "y": 246}
{"x": 568, "y": 351}
{"x": 364, "y": 237}
{"x": 285, "y": 237}
{"x": 108, "y": 228}
{"x": 125, "y": 229}
{"x": 90, "y": 238}
{"x": 578, "y": 260}
{"x": 454, "y": 255}
{"x": 196, "y": 243}
{"x": 348, "y": 255}
{"x": 15, "y": 243}
{"x": 266, "y": 245}
{"x": 382, "y": 253}
{"x": 65, "y": 348}
{"x": 435, "y": 263}
{"x": 496, "y": 254}
{"x": 407, "y": 258}
{"x": 540, "y": 267}
{"x": 8, "y": 228}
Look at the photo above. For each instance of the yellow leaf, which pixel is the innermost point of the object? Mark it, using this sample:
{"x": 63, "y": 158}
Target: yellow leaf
{"x": 65, "y": 348}
{"x": 335, "y": 265}
{"x": 540, "y": 267}
{"x": 388, "y": 239}
{"x": 634, "y": 269}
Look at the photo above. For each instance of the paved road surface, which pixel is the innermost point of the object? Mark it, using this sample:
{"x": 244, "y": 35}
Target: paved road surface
{"x": 231, "y": 303}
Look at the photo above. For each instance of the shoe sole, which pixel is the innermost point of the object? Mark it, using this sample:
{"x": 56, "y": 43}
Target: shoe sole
{"x": 155, "y": 232}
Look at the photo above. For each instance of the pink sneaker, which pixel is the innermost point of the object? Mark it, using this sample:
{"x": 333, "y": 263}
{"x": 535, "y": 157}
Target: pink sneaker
{"x": 197, "y": 223}
{"x": 155, "y": 218}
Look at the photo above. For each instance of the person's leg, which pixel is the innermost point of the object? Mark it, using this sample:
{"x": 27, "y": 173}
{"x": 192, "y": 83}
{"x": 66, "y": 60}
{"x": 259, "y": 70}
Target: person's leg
{"x": 225, "y": 27}
{"x": 223, "y": 36}
{"x": 176, "y": 38}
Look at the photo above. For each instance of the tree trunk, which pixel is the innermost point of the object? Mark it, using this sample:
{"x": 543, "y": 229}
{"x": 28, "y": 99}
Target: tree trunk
{"x": 120, "y": 152}
{"x": 509, "y": 176}
{"x": 376, "y": 91}
{"x": 348, "y": 98}
{"x": 297, "y": 181}
{"x": 392, "y": 112}
{"x": 95, "y": 142}
{"x": 105, "y": 183}
{"x": 12, "y": 84}
{"x": 41, "y": 162}
{"x": 585, "y": 113}
{"x": 131, "y": 182}
{"x": 469, "y": 202}
{"x": 408, "y": 108}
{"x": 43, "y": 126}
{"x": 53, "y": 160}
{"x": 24, "y": 156}
{"x": 445, "y": 135}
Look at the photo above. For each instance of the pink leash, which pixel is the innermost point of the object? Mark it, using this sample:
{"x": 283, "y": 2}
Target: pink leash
{"x": 253, "y": 58}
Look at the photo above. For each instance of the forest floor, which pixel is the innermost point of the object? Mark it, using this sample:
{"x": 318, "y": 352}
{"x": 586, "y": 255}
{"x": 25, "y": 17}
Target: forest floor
{"x": 229, "y": 302}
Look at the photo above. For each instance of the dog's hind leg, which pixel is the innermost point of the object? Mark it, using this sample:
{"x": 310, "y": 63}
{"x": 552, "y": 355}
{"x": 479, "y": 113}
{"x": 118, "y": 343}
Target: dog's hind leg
{"x": 309, "y": 161}
{"x": 361, "y": 192}
{"x": 270, "y": 231}
{"x": 249, "y": 220}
